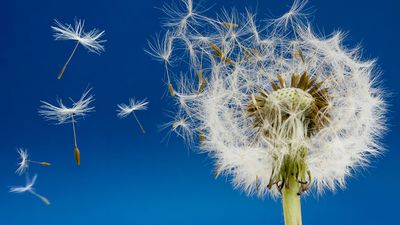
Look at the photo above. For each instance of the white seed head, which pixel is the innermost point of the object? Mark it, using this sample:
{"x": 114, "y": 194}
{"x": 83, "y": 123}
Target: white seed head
{"x": 30, "y": 189}
{"x": 124, "y": 109}
{"x": 90, "y": 40}
{"x": 28, "y": 186}
{"x": 275, "y": 95}
{"x": 23, "y": 164}
{"x": 63, "y": 114}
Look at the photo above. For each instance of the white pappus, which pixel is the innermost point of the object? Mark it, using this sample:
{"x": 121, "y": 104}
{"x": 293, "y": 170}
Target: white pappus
{"x": 29, "y": 187}
{"x": 124, "y": 110}
{"x": 24, "y": 161}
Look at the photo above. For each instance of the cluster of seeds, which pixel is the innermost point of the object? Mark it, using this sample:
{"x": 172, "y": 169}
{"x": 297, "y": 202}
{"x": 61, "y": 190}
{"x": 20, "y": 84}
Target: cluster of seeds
{"x": 302, "y": 99}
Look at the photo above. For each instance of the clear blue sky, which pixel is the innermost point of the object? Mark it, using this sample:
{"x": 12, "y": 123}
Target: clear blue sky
{"x": 129, "y": 178}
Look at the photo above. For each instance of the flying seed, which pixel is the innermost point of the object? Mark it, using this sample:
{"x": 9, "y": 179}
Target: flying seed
{"x": 127, "y": 109}
{"x": 90, "y": 40}
{"x": 29, "y": 188}
{"x": 63, "y": 114}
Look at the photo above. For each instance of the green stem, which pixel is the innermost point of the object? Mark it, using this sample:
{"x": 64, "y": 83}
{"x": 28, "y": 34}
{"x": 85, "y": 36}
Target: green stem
{"x": 291, "y": 202}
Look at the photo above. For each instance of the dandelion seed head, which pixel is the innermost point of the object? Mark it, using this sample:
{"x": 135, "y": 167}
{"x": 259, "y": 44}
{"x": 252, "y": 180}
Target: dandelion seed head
{"x": 63, "y": 114}
{"x": 124, "y": 109}
{"x": 90, "y": 40}
{"x": 23, "y": 164}
{"x": 27, "y": 188}
{"x": 276, "y": 95}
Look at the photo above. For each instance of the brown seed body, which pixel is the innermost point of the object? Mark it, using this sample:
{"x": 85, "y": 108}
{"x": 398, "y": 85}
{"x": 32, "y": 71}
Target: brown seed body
{"x": 171, "y": 90}
{"x": 77, "y": 155}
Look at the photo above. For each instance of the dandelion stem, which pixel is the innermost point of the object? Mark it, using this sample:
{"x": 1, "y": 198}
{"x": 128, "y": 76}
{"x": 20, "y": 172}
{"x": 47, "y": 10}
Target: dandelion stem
{"x": 69, "y": 59}
{"x": 41, "y": 163}
{"x": 140, "y": 125}
{"x": 77, "y": 153}
{"x": 291, "y": 202}
{"x": 73, "y": 128}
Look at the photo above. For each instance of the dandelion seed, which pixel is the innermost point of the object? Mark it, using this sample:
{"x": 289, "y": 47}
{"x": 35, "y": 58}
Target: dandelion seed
{"x": 24, "y": 161}
{"x": 63, "y": 114}
{"x": 125, "y": 110}
{"x": 287, "y": 110}
{"x": 23, "y": 164}
{"x": 29, "y": 188}
{"x": 90, "y": 40}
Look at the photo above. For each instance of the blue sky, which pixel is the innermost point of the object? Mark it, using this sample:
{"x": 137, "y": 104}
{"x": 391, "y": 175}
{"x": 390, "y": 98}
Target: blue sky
{"x": 130, "y": 178}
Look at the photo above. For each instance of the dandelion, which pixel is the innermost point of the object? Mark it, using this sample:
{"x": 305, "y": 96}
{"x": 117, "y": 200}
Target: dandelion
{"x": 125, "y": 110}
{"x": 63, "y": 114}
{"x": 29, "y": 188}
{"x": 24, "y": 161}
{"x": 90, "y": 40}
{"x": 284, "y": 110}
